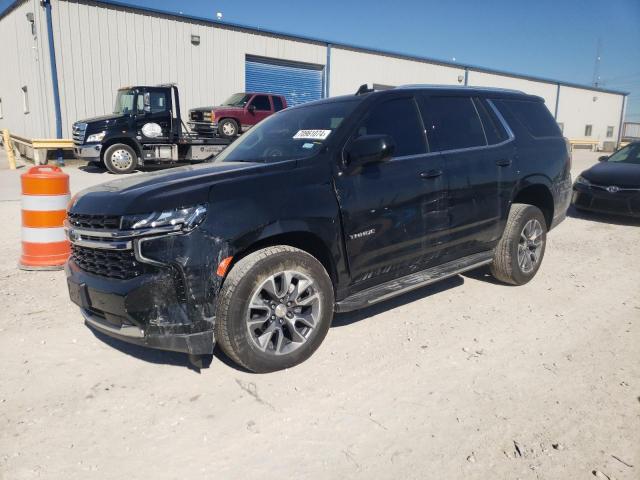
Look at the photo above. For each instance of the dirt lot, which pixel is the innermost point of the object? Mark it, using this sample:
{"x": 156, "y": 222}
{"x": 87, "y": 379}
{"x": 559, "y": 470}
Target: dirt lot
{"x": 465, "y": 379}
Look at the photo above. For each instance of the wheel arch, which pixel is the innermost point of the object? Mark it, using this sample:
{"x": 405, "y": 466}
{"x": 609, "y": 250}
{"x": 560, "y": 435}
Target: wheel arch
{"x": 537, "y": 193}
{"x": 306, "y": 241}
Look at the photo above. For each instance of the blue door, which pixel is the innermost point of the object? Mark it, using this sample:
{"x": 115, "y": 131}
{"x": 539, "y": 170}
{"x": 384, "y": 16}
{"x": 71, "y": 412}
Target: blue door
{"x": 298, "y": 82}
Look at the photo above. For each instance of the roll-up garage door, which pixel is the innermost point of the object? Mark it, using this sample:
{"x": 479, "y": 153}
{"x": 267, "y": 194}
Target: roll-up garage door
{"x": 298, "y": 82}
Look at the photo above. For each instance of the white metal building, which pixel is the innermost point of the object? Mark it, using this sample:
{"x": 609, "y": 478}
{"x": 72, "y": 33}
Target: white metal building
{"x": 94, "y": 47}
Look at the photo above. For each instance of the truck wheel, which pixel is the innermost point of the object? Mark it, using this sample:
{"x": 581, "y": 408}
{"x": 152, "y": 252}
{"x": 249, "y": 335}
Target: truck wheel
{"x": 120, "y": 158}
{"x": 519, "y": 253}
{"x": 274, "y": 309}
{"x": 228, "y": 128}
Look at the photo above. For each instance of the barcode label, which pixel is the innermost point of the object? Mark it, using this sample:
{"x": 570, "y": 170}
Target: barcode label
{"x": 312, "y": 134}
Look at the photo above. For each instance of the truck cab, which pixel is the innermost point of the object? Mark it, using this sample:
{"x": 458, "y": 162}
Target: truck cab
{"x": 145, "y": 127}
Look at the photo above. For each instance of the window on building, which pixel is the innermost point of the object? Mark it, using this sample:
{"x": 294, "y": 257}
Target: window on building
{"x": 535, "y": 117}
{"x": 587, "y": 130}
{"x": 277, "y": 104}
{"x": 261, "y": 102}
{"x": 25, "y": 99}
{"x": 399, "y": 119}
{"x": 609, "y": 132}
{"x": 493, "y": 129}
{"x": 451, "y": 123}
{"x": 561, "y": 126}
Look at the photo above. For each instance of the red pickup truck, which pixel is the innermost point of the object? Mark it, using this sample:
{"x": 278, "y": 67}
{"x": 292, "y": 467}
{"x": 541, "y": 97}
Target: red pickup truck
{"x": 237, "y": 114}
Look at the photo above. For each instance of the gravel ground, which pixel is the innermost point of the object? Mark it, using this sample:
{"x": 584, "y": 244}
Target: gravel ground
{"x": 464, "y": 379}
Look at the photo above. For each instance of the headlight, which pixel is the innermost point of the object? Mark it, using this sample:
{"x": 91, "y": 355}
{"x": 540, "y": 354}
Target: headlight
{"x": 186, "y": 218}
{"x": 583, "y": 181}
{"x": 96, "y": 137}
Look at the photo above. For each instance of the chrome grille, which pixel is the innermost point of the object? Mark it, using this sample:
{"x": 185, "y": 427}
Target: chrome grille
{"x": 78, "y": 132}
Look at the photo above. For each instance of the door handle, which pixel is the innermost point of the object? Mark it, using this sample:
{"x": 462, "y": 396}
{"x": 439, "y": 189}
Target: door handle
{"x": 431, "y": 174}
{"x": 505, "y": 162}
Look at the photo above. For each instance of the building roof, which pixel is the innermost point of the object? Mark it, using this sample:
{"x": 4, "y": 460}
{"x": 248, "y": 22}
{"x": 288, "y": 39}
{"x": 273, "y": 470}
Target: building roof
{"x": 224, "y": 24}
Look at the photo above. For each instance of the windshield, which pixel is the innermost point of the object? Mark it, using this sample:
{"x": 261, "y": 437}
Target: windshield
{"x": 628, "y": 154}
{"x": 295, "y": 133}
{"x": 236, "y": 100}
{"x": 124, "y": 102}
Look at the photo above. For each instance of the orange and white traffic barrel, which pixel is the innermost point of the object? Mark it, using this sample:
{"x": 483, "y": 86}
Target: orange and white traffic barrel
{"x": 45, "y": 195}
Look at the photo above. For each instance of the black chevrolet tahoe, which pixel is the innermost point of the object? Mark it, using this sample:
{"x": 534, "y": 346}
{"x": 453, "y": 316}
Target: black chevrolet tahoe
{"x": 325, "y": 207}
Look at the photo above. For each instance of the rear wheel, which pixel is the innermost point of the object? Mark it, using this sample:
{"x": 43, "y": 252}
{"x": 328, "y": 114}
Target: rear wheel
{"x": 519, "y": 252}
{"x": 120, "y": 158}
{"x": 228, "y": 128}
{"x": 274, "y": 309}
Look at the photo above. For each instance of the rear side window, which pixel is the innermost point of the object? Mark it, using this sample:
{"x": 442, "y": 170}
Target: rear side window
{"x": 451, "y": 123}
{"x": 277, "y": 104}
{"x": 493, "y": 129}
{"x": 534, "y": 116}
{"x": 261, "y": 102}
{"x": 399, "y": 119}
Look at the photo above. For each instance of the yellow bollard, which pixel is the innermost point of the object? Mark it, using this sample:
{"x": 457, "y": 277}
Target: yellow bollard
{"x": 8, "y": 146}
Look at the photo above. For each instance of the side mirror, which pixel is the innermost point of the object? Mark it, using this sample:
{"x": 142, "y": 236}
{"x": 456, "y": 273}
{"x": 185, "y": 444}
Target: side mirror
{"x": 603, "y": 158}
{"x": 251, "y": 108}
{"x": 369, "y": 149}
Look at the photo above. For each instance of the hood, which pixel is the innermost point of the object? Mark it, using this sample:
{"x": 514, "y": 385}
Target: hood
{"x": 162, "y": 190}
{"x": 103, "y": 121}
{"x": 612, "y": 173}
{"x": 218, "y": 109}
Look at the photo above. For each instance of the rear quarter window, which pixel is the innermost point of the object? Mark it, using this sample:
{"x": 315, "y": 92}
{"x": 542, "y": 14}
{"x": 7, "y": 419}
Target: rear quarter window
{"x": 534, "y": 116}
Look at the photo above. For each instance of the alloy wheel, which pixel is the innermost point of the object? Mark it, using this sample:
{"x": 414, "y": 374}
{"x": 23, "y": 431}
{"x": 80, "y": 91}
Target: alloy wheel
{"x": 530, "y": 245}
{"x": 283, "y": 312}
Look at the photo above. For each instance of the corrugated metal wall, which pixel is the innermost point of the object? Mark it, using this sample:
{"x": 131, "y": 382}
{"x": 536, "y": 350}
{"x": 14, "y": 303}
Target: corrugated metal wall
{"x": 25, "y": 58}
{"x": 352, "y": 68}
{"x": 101, "y": 48}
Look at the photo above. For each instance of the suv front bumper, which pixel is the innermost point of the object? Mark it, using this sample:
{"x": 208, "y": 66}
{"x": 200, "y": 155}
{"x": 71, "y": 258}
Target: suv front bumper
{"x": 138, "y": 311}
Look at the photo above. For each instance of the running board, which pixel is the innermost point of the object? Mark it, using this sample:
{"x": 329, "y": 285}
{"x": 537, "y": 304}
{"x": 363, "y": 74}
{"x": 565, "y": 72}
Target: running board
{"x": 405, "y": 284}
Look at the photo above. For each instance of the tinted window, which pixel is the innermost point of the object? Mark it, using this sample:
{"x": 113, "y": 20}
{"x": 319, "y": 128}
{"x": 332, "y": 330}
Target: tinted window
{"x": 451, "y": 123}
{"x": 261, "y": 102}
{"x": 534, "y": 116}
{"x": 277, "y": 103}
{"x": 493, "y": 129}
{"x": 399, "y": 119}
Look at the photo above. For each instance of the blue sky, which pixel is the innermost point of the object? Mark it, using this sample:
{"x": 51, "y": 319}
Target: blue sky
{"x": 549, "y": 38}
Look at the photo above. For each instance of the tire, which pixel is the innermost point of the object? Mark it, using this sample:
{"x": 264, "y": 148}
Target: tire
{"x": 520, "y": 251}
{"x": 120, "y": 158}
{"x": 228, "y": 128}
{"x": 274, "y": 336}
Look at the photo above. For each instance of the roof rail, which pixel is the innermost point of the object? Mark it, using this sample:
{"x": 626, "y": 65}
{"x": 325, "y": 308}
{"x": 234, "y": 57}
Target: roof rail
{"x": 460, "y": 87}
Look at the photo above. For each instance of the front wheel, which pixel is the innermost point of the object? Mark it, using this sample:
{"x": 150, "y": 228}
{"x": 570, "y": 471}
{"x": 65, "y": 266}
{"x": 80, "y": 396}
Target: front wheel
{"x": 519, "y": 253}
{"x": 120, "y": 158}
{"x": 228, "y": 128}
{"x": 274, "y": 309}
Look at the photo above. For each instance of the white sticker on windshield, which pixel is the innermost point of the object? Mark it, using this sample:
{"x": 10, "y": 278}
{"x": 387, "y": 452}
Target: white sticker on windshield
{"x": 312, "y": 134}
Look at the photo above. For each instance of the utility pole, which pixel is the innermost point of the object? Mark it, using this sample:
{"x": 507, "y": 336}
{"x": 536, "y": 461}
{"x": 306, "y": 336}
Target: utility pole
{"x": 596, "y": 67}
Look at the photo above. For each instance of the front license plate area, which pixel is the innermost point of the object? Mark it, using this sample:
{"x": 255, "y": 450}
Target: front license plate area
{"x": 78, "y": 294}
